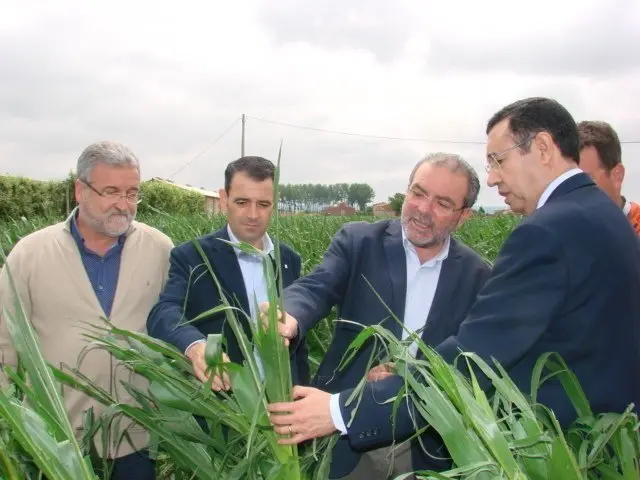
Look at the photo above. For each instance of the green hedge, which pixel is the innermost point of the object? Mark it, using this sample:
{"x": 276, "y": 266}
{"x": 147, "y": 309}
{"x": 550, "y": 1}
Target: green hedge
{"x": 168, "y": 199}
{"x": 24, "y": 197}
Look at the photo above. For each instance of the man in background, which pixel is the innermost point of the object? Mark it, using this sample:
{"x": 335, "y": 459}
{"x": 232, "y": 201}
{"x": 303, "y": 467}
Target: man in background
{"x": 601, "y": 158}
{"x": 99, "y": 263}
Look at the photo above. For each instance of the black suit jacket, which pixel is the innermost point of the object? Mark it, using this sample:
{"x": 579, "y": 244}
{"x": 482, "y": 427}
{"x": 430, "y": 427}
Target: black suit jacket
{"x": 567, "y": 280}
{"x": 190, "y": 291}
{"x": 375, "y": 251}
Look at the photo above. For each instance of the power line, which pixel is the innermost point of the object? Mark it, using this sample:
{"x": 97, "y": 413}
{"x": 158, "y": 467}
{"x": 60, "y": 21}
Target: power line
{"x": 380, "y": 137}
{"x": 206, "y": 148}
{"x": 353, "y": 134}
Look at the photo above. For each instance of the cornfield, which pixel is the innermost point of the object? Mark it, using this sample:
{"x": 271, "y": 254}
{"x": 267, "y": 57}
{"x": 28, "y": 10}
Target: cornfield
{"x": 501, "y": 436}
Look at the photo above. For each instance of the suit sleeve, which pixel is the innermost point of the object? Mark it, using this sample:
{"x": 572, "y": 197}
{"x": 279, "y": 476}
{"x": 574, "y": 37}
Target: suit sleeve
{"x": 16, "y": 264}
{"x": 166, "y": 320}
{"x": 310, "y": 298}
{"x": 512, "y": 312}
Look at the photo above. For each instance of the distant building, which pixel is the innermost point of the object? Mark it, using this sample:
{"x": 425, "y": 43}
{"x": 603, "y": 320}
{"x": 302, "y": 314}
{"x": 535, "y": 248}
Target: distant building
{"x": 211, "y": 198}
{"x": 340, "y": 210}
{"x": 383, "y": 209}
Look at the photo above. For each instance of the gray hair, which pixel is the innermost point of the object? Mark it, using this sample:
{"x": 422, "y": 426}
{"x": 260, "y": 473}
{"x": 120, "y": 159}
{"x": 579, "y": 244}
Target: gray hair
{"x": 110, "y": 153}
{"x": 456, "y": 164}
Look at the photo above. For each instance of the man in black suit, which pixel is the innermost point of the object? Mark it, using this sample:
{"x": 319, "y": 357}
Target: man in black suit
{"x": 190, "y": 291}
{"x": 566, "y": 281}
{"x": 428, "y": 279}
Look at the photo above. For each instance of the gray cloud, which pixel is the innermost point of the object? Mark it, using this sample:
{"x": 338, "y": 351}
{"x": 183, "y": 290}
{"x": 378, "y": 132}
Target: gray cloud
{"x": 605, "y": 41}
{"x": 376, "y": 26}
{"x": 68, "y": 81}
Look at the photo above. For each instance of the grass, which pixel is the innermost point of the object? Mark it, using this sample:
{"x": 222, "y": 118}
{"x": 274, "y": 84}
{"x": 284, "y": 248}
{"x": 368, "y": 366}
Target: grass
{"x": 309, "y": 235}
{"x": 504, "y": 435}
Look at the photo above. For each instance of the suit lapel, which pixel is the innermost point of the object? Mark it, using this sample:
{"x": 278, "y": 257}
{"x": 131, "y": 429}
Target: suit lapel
{"x": 286, "y": 269}
{"x": 445, "y": 290}
{"x": 397, "y": 263}
{"x": 226, "y": 264}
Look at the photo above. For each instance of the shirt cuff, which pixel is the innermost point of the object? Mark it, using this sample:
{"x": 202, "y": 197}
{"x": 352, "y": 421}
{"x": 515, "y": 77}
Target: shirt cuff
{"x": 202, "y": 340}
{"x": 336, "y": 414}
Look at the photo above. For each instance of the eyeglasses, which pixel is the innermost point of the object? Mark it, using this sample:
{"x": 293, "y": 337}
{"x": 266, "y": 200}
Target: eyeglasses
{"x": 133, "y": 198}
{"x": 440, "y": 207}
{"x": 494, "y": 160}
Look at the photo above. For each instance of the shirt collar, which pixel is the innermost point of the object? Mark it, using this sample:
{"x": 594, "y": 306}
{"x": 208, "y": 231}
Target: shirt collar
{"x": 267, "y": 244}
{"x": 626, "y": 206}
{"x": 410, "y": 248}
{"x": 553, "y": 185}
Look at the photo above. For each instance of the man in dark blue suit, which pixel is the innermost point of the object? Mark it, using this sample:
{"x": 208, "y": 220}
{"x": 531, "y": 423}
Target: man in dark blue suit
{"x": 566, "y": 281}
{"x": 190, "y": 291}
{"x": 426, "y": 278}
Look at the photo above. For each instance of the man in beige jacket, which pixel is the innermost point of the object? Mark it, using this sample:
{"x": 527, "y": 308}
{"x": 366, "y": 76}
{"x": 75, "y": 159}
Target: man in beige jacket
{"x": 99, "y": 263}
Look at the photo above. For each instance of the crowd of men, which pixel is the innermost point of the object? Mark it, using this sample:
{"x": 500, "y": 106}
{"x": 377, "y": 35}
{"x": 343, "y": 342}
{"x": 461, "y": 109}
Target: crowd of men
{"x": 566, "y": 281}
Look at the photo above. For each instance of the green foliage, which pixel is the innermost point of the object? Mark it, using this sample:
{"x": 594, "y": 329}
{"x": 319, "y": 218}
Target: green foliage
{"x": 396, "y": 202}
{"x": 360, "y": 194}
{"x": 172, "y": 200}
{"x": 23, "y": 197}
{"x": 316, "y": 197}
{"x": 502, "y": 432}
{"x": 26, "y": 198}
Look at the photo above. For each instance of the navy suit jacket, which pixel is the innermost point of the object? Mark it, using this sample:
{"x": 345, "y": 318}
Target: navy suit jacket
{"x": 567, "y": 280}
{"x": 190, "y": 291}
{"x": 375, "y": 251}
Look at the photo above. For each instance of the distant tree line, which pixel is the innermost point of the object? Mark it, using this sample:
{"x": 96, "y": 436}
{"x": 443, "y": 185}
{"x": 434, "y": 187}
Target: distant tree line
{"x": 314, "y": 198}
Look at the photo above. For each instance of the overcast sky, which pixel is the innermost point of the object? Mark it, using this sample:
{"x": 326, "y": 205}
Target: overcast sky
{"x": 168, "y": 78}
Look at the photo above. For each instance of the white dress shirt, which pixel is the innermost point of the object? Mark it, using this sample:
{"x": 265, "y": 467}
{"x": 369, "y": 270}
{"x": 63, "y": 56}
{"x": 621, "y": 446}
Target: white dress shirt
{"x": 555, "y": 184}
{"x": 255, "y": 282}
{"x": 422, "y": 281}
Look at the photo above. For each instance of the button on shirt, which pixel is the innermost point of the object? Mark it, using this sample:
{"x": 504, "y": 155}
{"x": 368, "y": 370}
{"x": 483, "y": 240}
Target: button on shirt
{"x": 254, "y": 279}
{"x": 103, "y": 271}
{"x": 422, "y": 281}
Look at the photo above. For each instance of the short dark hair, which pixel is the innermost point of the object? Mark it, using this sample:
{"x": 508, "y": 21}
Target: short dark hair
{"x": 601, "y": 136}
{"x": 257, "y": 168}
{"x": 537, "y": 114}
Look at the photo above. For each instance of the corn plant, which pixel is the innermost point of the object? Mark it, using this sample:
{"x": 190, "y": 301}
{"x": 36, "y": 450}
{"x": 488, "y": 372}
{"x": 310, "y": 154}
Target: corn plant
{"x": 507, "y": 434}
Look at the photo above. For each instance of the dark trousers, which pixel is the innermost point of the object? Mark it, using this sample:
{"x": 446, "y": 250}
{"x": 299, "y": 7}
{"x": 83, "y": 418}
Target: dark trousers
{"x": 383, "y": 463}
{"x": 135, "y": 466}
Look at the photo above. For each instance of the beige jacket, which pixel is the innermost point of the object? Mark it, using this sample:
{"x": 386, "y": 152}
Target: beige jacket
{"x": 59, "y": 300}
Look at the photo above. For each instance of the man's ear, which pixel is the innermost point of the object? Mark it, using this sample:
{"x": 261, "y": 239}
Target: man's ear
{"x": 78, "y": 189}
{"x": 617, "y": 176}
{"x": 466, "y": 213}
{"x": 545, "y": 145}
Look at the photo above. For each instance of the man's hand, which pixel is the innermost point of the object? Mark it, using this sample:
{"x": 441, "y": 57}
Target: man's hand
{"x": 307, "y": 417}
{"x": 195, "y": 353}
{"x": 288, "y": 326}
{"x": 380, "y": 372}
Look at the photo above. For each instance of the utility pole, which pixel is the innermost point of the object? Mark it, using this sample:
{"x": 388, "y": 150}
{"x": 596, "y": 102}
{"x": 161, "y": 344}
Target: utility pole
{"x": 244, "y": 121}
